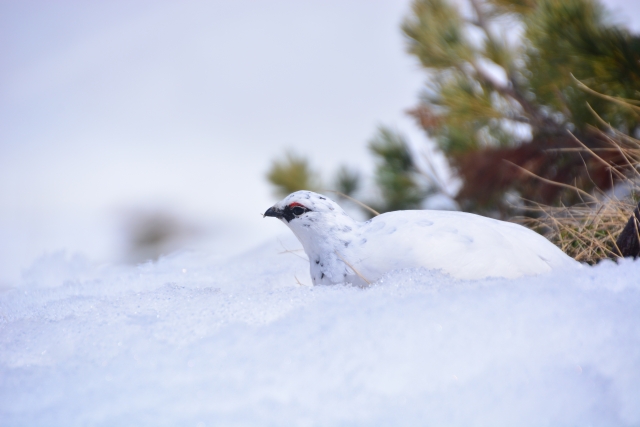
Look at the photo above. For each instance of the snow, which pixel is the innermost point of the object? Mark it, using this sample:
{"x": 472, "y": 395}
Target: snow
{"x": 193, "y": 340}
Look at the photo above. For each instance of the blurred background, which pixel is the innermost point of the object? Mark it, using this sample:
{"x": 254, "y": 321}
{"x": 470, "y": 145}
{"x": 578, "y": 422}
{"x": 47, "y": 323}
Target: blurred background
{"x": 129, "y": 129}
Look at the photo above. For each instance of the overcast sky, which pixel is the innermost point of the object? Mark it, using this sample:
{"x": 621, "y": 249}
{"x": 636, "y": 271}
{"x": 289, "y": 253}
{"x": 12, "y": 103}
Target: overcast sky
{"x": 117, "y": 105}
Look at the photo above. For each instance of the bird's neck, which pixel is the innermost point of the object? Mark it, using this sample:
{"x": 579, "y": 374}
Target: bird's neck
{"x": 321, "y": 238}
{"x": 329, "y": 245}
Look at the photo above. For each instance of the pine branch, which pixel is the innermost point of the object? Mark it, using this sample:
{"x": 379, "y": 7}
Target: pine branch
{"x": 539, "y": 120}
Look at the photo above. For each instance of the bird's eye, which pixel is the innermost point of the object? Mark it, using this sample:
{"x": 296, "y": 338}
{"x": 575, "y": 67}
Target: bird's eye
{"x": 297, "y": 211}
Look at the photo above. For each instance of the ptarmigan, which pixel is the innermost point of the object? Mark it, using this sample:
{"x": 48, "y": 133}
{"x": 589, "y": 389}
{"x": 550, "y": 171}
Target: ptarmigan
{"x": 463, "y": 245}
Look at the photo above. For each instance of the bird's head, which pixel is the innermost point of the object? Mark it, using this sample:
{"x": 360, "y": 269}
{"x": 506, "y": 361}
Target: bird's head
{"x": 304, "y": 207}
{"x": 322, "y": 227}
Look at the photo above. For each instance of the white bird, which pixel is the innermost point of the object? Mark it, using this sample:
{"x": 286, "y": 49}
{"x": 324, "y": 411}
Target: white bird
{"x": 463, "y": 245}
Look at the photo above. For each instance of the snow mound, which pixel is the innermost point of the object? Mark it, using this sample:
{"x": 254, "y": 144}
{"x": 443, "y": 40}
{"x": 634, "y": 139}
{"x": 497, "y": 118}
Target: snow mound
{"x": 190, "y": 340}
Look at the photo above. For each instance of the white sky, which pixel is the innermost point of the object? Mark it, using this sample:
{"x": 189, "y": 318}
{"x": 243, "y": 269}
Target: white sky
{"x": 112, "y": 105}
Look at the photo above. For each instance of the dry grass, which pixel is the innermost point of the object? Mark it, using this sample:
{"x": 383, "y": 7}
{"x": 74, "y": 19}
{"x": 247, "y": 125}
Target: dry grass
{"x": 588, "y": 231}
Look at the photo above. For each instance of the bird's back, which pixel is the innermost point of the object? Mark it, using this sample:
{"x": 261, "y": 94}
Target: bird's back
{"x": 464, "y": 245}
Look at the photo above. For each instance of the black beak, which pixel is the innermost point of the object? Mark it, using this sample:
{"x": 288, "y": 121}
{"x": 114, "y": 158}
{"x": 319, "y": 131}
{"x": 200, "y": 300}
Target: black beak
{"x": 274, "y": 212}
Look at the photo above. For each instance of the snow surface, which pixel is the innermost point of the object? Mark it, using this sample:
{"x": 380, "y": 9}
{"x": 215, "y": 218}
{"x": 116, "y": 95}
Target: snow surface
{"x": 191, "y": 340}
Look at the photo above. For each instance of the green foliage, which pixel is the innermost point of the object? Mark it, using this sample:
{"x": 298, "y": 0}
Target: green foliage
{"x": 512, "y": 6}
{"x": 395, "y": 173}
{"x": 571, "y": 38}
{"x": 561, "y": 38}
{"x": 436, "y": 33}
{"x": 347, "y": 181}
{"x": 472, "y": 111}
{"x": 292, "y": 173}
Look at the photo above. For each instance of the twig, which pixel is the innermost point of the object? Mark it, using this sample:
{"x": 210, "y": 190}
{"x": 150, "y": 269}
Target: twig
{"x": 578, "y": 150}
{"x": 352, "y": 268}
{"x": 548, "y": 181}
{"x": 621, "y": 101}
{"x": 615, "y": 243}
{"x": 620, "y": 174}
{"x": 616, "y": 144}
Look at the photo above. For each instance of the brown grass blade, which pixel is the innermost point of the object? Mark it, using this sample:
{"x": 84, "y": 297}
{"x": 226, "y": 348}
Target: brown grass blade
{"x": 548, "y": 181}
{"x": 352, "y": 268}
{"x": 370, "y": 209}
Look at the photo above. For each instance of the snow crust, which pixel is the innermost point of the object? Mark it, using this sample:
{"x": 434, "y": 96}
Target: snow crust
{"x": 191, "y": 340}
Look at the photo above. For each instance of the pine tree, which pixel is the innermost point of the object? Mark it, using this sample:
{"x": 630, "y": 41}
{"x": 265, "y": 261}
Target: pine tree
{"x": 395, "y": 175}
{"x": 292, "y": 173}
{"x": 495, "y": 102}
{"x": 483, "y": 88}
